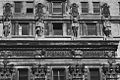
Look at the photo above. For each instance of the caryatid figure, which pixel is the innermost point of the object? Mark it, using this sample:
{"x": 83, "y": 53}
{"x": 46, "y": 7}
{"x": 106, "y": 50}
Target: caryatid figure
{"x": 39, "y": 10}
{"x": 39, "y": 29}
{"x": 7, "y": 14}
{"x": 74, "y": 10}
{"x": 74, "y": 13}
{"x": 106, "y": 23}
{"x": 105, "y": 10}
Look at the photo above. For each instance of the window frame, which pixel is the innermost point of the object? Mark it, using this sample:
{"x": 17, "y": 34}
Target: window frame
{"x": 56, "y": 29}
{"x": 85, "y": 7}
{"x": 84, "y": 30}
{"x": 29, "y": 5}
{"x": 58, "y": 73}
{"x": 29, "y": 12}
{"x": 16, "y": 31}
{"x": 23, "y": 75}
{"x": 20, "y": 3}
{"x": 94, "y": 8}
{"x": 57, "y": 13}
{"x": 93, "y": 70}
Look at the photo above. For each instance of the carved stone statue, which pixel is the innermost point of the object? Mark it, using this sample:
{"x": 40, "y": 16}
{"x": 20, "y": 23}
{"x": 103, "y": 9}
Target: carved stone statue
{"x": 105, "y": 10}
{"x": 107, "y": 28}
{"x": 7, "y": 12}
{"x": 106, "y": 16}
{"x": 39, "y": 30}
{"x": 74, "y": 10}
{"x": 6, "y": 31}
{"x": 75, "y": 26}
{"x": 39, "y": 10}
{"x": 6, "y": 28}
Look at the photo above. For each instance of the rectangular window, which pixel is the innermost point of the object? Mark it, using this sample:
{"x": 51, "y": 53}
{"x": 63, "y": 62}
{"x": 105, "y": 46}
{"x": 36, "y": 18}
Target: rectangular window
{"x": 22, "y": 29}
{"x": 29, "y": 10}
{"x": 96, "y": 7}
{"x": 59, "y": 74}
{"x": 25, "y": 28}
{"x": 57, "y": 8}
{"x": 18, "y": 6}
{"x": 23, "y": 74}
{"x": 94, "y": 74}
{"x": 91, "y": 29}
{"x": 57, "y": 29}
{"x": 84, "y": 7}
{"x": 29, "y": 6}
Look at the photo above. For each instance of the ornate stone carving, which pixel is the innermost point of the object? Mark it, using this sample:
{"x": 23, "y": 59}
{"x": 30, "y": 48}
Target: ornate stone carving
{"x": 74, "y": 10}
{"x": 76, "y": 53}
{"x": 106, "y": 16}
{"x": 6, "y": 28}
{"x": 39, "y": 11}
{"x": 39, "y": 72}
{"x": 40, "y": 53}
{"x": 7, "y": 14}
{"x": 39, "y": 29}
{"x": 74, "y": 13}
{"x": 105, "y": 10}
{"x": 75, "y": 25}
{"x": 107, "y": 28}
{"x": 76, "y": 71}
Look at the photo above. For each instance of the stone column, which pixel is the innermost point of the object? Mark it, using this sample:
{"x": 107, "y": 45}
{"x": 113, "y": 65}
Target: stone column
{"x": 30, "y": 29}
{"x": 50, "y": 29}
{"x": 90, "y": 7}
{"x": 64, "y": 29}
{"x": 20, "y": 30}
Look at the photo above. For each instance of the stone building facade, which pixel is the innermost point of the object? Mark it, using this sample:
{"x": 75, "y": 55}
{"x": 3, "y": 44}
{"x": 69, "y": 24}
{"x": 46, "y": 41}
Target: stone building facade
{"x": 59, "y": 39}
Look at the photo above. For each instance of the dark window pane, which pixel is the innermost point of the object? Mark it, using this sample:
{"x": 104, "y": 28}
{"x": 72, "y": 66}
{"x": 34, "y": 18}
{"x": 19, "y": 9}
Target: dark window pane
{"x": 119, "y": 6}
{"x": 91, "y": 29}
{"x": 18, "y": 6}
{"x": 29, "y": 2}
{"x": 94, "y": 74}
{"x": 96, "y": 7}
{"x": 84, "y": 7}
{"x": 57, "y": 29}
{"x": 29, "y": 10}
{"x": 62, "y": 77}
{"x": 0, "y": 69}
{"x": 23, "y": 74}
{"x": 55, "y": 73}
{"x": 25, "y": 28}
{"x": 62, "y": 72}
{"x": 58, "y": 74}
{"x": 57, "y": 8}
{"x": 85, "y": 10}
{"x": 55, "y": 78}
